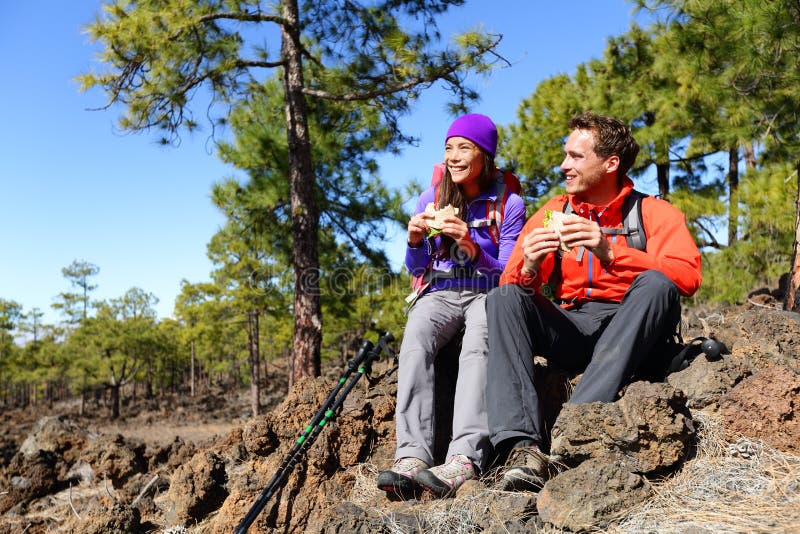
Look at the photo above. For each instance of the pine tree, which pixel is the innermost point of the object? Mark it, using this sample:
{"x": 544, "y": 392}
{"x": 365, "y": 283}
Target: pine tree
{"x": 159, "y": 53}
{"x": 75, "y": 306}
{"x": 535, "y": 146}
{"x": 747, "y": 51}
{"x": 115, "y": 344}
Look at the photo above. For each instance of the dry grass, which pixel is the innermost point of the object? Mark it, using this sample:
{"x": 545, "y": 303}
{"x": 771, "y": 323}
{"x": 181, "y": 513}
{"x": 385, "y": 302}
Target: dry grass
{"x": 742, "y": 487}
{"x": 460, "y": 516}
{"x": 728, "y": 487}
{"x": 364, "y": 489}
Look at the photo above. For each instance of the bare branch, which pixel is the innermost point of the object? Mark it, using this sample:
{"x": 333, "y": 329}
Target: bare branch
{"x": 69, "y": 497}
{"x": 713, "y": 243}
{"x": 244, "y": 63}
{"x": 358, "y": 243}
{"x": 311, "y": 57}
{"x": 680, "y": 159}
{"x": 105, "y": 484}
{"x": 352, "y": 97}
{"x": 758, "y": 304}
{"x": 144, "y": 489}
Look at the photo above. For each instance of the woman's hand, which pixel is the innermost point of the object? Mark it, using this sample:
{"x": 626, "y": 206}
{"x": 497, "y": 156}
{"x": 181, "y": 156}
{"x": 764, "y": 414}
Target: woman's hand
{"x": 459, "y": 231}
{"x": 417, "y": 229}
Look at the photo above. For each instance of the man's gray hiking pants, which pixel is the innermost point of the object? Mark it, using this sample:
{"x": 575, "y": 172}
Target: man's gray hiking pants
{"x": 434, "y": 319}
{"x": 608, "y": 341}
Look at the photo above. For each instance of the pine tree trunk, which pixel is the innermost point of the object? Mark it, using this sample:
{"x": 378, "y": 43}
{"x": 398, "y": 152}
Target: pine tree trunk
{"x": 733, "y": 195}
{"x": 191, "y": 370}
{"x": 792, "y": 301}
{"x": 307, "y": 339}
{"x": 749, "y": 156}
{"x": 252, "y": 334}
{"x": 115, "y": 401}
{"x": 662, "y": 176}
{"x": 149, "y": 384}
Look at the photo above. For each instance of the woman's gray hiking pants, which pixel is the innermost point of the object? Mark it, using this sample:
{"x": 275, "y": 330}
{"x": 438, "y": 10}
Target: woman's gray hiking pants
{"x": 434, "y": 319}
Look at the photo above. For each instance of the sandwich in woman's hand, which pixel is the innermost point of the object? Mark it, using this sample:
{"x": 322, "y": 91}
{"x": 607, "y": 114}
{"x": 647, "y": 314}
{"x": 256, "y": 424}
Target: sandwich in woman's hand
{"x": 437, "y": 217}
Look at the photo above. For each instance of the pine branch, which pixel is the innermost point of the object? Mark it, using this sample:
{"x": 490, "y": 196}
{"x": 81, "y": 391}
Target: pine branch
{"x": 432, "y": 76}
{"x": 243, "y": 17}
{"x": 713, "y": 243}
{"x": 362, "y": 247}
{"x": 244, "y": 63}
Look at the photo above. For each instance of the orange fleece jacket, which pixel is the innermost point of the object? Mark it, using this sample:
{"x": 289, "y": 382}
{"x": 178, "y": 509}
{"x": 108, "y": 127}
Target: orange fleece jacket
{"x": 670, "y": 249}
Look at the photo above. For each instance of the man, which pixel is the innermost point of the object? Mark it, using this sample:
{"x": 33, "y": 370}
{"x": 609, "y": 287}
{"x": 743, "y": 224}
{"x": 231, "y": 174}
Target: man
{"x": 611, "y": 303}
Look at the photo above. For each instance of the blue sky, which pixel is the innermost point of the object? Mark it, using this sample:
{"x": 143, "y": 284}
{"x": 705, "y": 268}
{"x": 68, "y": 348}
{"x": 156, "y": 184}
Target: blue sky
{"x": 73, "y": 187}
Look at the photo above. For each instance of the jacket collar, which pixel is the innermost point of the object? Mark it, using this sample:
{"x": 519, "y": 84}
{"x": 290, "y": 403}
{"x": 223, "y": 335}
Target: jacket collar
{"x": 490, "y": 193}
{"x": 613, "y": 207}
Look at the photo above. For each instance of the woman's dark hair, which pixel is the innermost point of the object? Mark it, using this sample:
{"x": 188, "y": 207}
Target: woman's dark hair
{"x": 450, "y": 194}
{"x": 612, "y": 137}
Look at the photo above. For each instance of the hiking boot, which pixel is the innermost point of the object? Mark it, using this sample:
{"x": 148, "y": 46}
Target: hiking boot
{"x": 558, "y": 442}
{"x": 443, "y": 480}
{"x": 526, "y": 470}
{"x": 400, "y": 478}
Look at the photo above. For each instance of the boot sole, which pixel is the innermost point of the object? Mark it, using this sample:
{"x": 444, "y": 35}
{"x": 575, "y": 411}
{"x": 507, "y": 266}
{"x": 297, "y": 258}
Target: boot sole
{"x": 431, "y": 483}
{"x": 397, "y": 484}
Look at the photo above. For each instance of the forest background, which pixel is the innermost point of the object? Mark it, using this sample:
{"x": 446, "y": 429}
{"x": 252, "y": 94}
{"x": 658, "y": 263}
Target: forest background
{"x": 301, "y": 269}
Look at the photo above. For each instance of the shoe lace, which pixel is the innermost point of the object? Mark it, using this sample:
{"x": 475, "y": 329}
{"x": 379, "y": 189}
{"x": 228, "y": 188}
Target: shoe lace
{"x": 457, "y": 465}
{"x": 408, "y": 464}
{"x": 526, "y": 457}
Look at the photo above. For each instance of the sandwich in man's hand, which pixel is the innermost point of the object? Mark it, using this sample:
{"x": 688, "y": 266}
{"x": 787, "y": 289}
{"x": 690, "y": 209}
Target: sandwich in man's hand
{"x": 555, "y": 220}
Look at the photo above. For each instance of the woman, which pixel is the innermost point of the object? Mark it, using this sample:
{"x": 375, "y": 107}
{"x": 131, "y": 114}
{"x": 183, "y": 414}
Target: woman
{"x": 459, "y": 266}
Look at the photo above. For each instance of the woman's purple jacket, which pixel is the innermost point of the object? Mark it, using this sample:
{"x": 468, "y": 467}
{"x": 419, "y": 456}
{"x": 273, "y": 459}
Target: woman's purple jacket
{"x": 492, "y": 258}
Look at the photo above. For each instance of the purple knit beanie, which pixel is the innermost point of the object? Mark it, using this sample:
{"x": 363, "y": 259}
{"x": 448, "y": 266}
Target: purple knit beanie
{"x": 477, "y": 128}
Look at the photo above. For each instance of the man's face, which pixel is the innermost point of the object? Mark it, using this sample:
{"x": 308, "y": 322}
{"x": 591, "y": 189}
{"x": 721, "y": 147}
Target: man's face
{"x": 587, "y": 175}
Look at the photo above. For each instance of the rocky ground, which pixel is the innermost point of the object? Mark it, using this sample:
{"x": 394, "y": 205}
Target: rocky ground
{"x": 198, "y": 465}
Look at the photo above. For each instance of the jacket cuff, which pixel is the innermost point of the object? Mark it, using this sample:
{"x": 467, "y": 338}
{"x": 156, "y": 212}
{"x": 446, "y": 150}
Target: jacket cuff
{"x": 528, "y": 280}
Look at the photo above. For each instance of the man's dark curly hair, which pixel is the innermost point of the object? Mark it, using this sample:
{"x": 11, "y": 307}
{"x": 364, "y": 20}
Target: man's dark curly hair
{"x": 612, "y": 137}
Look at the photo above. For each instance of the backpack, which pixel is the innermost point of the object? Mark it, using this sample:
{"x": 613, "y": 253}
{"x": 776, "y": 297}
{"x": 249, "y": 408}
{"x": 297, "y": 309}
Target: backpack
{"x": 507, "y": 183}
{"x": 673, "y": 355}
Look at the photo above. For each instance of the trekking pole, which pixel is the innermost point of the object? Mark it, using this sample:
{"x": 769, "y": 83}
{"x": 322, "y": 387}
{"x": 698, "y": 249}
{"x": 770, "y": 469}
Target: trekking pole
{"x": 361, "y": 363}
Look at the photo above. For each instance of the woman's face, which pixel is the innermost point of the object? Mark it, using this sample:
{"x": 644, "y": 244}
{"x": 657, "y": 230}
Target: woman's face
{"x": 464, "y": 159}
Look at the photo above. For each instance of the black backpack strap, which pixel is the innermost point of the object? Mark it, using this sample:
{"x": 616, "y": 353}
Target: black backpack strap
{"x": 567, "y": 211}
{"x": 685, "y": 355}
{"x": 632, "y": 222}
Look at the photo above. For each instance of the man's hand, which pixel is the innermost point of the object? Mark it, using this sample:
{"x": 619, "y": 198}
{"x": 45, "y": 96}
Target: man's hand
{"x": 536, "y": 246}
{"x": 579, "y": 232}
